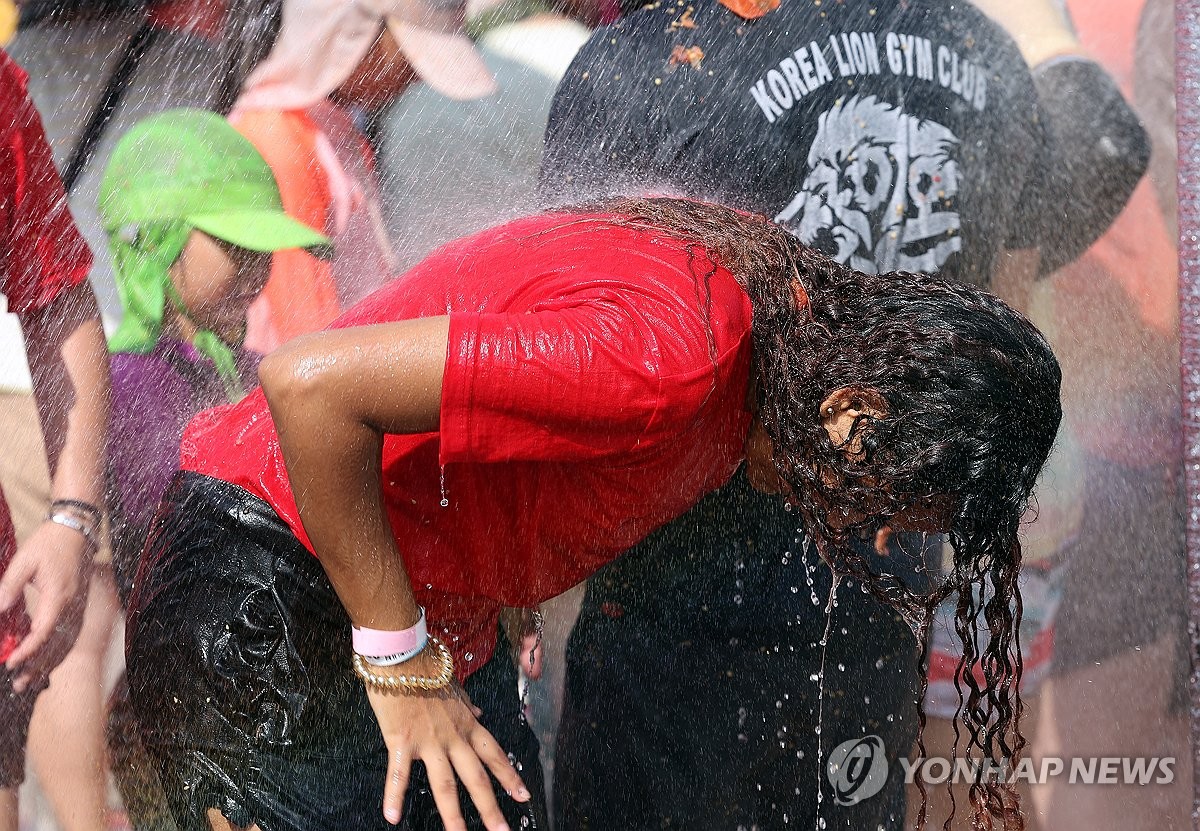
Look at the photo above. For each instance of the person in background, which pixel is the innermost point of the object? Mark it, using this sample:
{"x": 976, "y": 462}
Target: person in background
{"x": 1084, "y": 102}
{"x": 44, "y": 264}
{"x": 193, "y": 215}
{"x": 358, "y": 52}
{"x": 888, "y": 135}
{"x": 155, "y": 55}
{"x": 97, "y": 67}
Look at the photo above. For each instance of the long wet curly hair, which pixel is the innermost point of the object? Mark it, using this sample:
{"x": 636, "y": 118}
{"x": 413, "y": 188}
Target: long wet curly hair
{"x": 972, "y": 409}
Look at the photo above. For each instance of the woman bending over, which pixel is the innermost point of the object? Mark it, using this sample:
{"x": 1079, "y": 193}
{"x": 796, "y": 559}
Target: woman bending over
{"x": 498, "y": 423}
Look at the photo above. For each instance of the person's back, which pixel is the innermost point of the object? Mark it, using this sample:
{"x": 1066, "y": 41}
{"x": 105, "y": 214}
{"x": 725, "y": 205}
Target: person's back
{"x": 889, "y": 135}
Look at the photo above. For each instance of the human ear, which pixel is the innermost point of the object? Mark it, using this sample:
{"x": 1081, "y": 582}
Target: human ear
{"x": 843, "y": 406}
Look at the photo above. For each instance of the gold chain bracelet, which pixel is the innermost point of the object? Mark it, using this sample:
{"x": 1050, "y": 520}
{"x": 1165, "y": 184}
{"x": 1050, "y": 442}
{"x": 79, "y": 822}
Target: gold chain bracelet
{"x": 397, "y": 683}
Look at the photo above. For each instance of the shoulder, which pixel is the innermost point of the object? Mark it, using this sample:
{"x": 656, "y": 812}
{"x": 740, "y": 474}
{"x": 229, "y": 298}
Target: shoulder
{"x": 271, "y": 123}
{"x": 14, "y": 95}
{"x": 282, "y": 136}
{"x": 616, "y": 53}
{"x": 12, "y": 78}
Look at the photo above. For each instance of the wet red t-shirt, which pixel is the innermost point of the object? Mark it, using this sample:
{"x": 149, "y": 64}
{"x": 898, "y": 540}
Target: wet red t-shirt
{"x": 41, "y": 252}
{"x": 595, "y": 388}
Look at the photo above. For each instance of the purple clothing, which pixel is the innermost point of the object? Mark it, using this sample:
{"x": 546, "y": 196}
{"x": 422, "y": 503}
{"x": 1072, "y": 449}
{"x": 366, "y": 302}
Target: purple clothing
{"x": 154, "y": 396}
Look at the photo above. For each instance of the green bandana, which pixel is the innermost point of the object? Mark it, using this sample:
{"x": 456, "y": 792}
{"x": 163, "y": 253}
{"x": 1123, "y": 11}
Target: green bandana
{"x": 142, "y": 264}
{"x": 175, "y": 172}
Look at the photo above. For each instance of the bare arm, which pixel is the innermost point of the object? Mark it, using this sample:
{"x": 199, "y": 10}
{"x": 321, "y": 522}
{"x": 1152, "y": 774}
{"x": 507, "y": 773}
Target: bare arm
{"x": 68, "y": 361}
{"x": 333, "y": 396}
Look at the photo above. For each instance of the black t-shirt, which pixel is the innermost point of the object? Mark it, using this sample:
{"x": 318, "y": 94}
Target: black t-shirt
{"x": 888, "y": 134}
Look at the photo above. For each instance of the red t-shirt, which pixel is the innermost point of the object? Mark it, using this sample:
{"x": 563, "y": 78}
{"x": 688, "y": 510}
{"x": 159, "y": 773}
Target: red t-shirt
{"x": 595, "y": 388}
{"x": 41, "y": 251}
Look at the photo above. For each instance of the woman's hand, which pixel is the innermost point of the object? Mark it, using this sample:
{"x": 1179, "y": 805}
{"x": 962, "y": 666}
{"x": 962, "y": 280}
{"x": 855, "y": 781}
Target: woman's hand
{"x": 441, "y": 730}
{"x": 52, "y": 561}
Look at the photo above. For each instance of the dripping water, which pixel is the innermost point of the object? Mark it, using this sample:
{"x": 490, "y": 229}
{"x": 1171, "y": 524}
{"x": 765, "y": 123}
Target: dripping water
{"x": 829, "y": 606}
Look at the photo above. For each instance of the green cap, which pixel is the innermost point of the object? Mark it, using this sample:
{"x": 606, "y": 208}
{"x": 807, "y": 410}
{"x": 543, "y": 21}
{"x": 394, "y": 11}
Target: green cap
{"x": 193, "y": 166}
{"x": 172, "y": 173}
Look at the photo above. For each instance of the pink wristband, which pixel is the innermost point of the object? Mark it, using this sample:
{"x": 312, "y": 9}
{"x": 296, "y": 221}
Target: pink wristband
{"x": 390, "y": 646}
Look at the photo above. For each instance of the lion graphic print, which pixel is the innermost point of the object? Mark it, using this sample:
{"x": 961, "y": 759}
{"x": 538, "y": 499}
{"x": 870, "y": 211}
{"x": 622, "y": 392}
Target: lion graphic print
{"x": 880, "y": 191}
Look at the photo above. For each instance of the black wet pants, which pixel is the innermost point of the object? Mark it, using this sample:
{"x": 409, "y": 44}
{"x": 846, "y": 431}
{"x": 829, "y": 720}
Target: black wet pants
{"x": 240, "y": 674}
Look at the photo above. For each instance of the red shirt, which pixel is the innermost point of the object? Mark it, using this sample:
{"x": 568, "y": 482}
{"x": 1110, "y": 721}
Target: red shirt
{"x": 594, "y": 390}
{"x": 41, "y": 252}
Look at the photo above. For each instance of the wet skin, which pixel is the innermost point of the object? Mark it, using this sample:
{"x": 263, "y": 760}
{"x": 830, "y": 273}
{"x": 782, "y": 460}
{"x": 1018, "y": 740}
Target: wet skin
{"x": 839, "y": 411}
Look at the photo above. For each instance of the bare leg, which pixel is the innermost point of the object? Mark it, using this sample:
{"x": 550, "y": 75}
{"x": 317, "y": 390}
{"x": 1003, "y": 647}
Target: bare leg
{"x": 1121, "y": 708}
{"x": 66, "y": 735}
{"x": 8, "y": 809}
{"x": 218, "y": 822}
